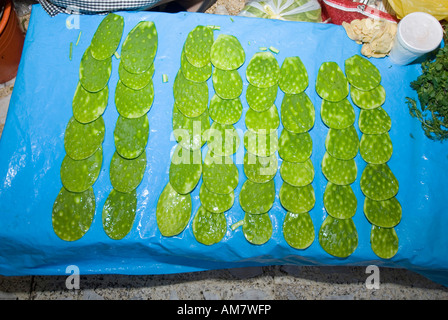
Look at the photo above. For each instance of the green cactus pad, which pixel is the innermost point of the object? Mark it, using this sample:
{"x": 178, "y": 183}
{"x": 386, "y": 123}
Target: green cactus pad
{"x": 227, "y": 83}
{"x": 107, "y": 37}
{"x": 83, "y": 140}
{"x": 190, "y": 97}
{"x": 340, "y": 172}
{"x": 361, "y": 73}
{"x": 385, "y": 214}
{"x": 192, "y": 73}
{"x": 220, "y": 174}
{"x": 375, "y": 121}
{"x": 225, "y": 111}
{"x": 94, "y": 74}
{"x": 209, "y": 228}
{"x": 295, "y": 147}
{"x": 293, "y": 76}
{"x": 264, "y": 122}
{"x": 227, "y": 53}
{"x": 297, "y": 199}
{"x": 173, "y": 211}
{"x": 342, "y": 143}
{"x": 298, "y": 230}
{"x": 198, "y": 46}
{"x": 368, "y": 100}
{"x": 126, "y": 174}
{"x": 297, "y": 174}
{"x": 135, "y": 81}
{"x": 262, "y": 145}
{"x": 263, "y": 70}
{"x": 133, "y": 103}
{"x": 340, "y": 201}
{"x": 89, "y": 106}
{"x": 79, "y": 175}
{"x": 119, "y": 213}
{"x": 190, "y": 133}
{"x": 223, "y": 139}
{"x": 297, "y": 112}
{"x": 261, "y": 99}
{"x": 378, "y": 182}
{"x": 131, "y": 136}
{"x": 376, "y": 148}
{"x": 331, "y": 83}
{"x": 140, "y": 47}
{"x": 260, "y": 169}
{"x": 73, "y": 213}
{"x": 337, "y": 115}
{"x": 257, "y": 198}
{"x": 257, "y": 228}
{"x": 384, "y": 242}
{"x": 338, "y": 237}
{"x": 185, "y": 169}
{"x": 214, "y": 202}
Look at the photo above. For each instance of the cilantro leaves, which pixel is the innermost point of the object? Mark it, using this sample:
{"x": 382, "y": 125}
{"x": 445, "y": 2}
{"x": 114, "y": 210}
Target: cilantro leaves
{"x": 432, "y": 89}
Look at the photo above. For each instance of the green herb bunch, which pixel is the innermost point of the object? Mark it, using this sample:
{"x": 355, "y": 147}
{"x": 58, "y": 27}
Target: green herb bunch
{"x": 431, "y": 87}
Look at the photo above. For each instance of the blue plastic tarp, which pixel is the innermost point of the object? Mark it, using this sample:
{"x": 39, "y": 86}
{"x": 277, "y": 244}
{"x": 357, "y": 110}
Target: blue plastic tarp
{"x": 32, "y": 149}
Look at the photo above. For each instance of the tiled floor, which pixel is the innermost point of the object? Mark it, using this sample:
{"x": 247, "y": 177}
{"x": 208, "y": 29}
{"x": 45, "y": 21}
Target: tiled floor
{"x": 270, "y": 283}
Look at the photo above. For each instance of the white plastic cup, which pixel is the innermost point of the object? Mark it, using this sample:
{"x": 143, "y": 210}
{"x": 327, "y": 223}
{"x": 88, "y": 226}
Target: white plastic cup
{"x": 417, "y": 34}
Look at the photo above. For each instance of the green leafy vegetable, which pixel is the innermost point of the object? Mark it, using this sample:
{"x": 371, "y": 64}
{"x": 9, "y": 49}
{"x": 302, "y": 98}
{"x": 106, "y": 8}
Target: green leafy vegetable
{"x": 432, "y": 88}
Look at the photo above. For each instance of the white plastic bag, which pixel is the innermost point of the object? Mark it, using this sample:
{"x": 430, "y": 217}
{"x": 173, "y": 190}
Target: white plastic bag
{"x": 290, "y": 10}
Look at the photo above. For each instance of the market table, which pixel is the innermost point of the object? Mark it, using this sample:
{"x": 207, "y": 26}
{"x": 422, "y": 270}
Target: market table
{"x": 32, "y": 150}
